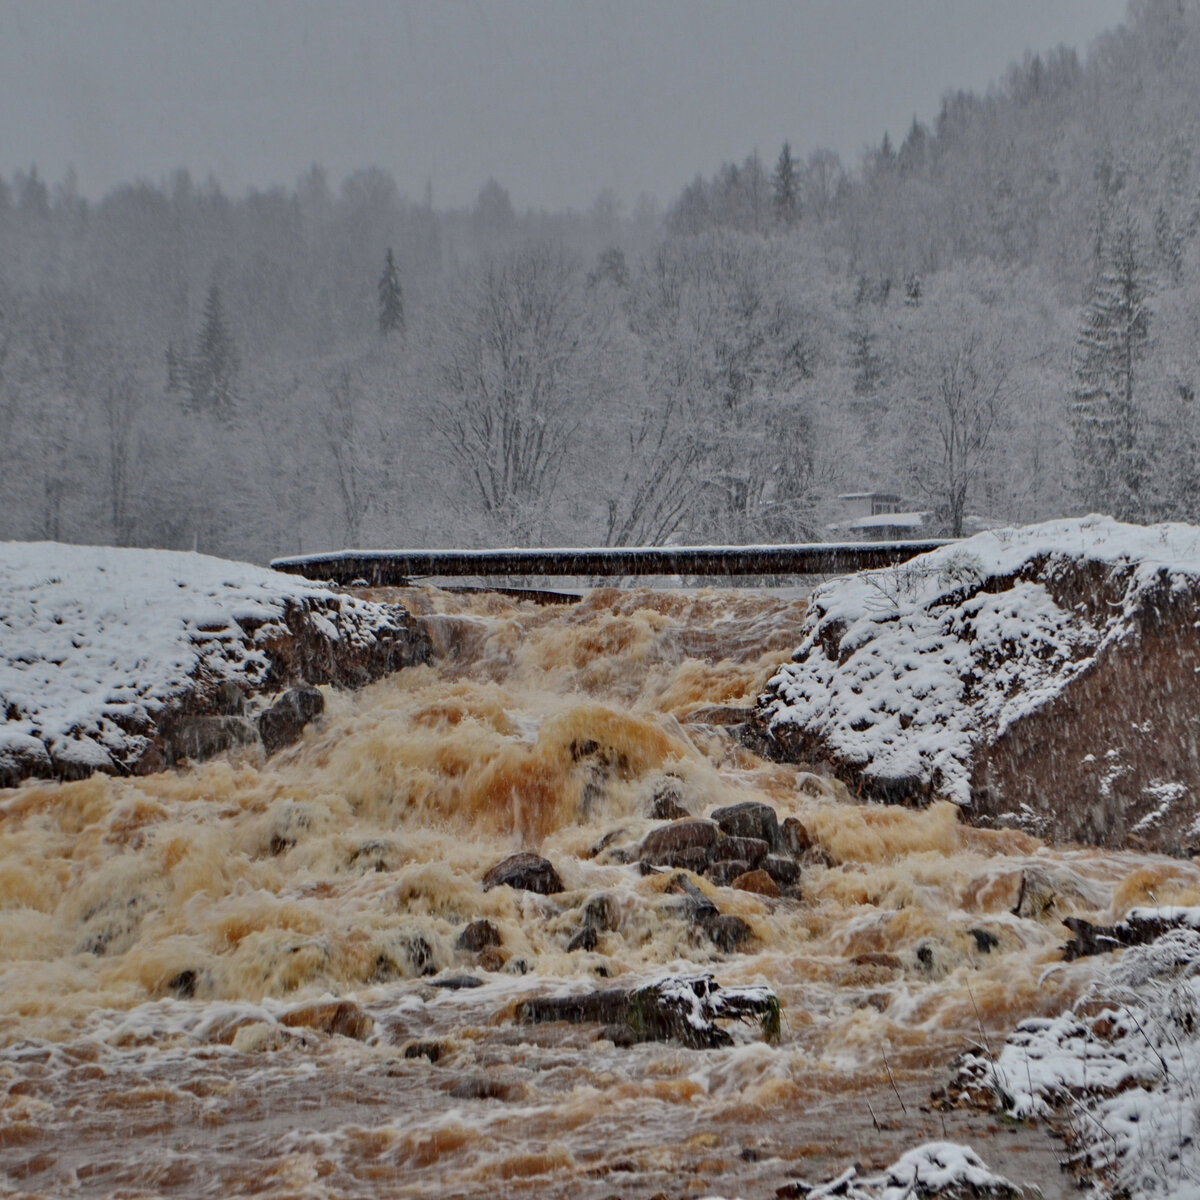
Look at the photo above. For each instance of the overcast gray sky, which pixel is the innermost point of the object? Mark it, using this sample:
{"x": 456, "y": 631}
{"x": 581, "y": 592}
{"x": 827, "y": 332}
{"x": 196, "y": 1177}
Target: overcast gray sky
{"x": 555, "y": 98}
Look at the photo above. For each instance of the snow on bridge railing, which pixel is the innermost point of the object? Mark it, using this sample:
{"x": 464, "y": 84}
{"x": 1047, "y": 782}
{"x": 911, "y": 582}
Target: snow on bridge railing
{"x": 394, "y": 568}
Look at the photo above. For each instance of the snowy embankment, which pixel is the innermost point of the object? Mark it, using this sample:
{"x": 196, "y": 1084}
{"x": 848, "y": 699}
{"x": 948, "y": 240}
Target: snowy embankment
{"x": 1121, "y": 1077}
{"x": 1043, "y": 674}
{"x": 102, "y": 649}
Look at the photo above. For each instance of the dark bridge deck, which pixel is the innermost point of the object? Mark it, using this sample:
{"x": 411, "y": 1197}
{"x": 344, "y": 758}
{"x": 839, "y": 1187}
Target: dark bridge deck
{"x": 394, "y": 568}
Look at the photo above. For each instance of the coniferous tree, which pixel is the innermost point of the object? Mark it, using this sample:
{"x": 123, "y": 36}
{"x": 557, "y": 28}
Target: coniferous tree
{"x": 214, "y": 367}
{"x": 786, "y": 193}
{"x": 1109, "y": 462}
{"x": 391, "y": 298}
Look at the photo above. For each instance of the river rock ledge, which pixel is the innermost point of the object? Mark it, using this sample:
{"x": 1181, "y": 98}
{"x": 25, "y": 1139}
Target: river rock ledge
{"x": 1045, "y": 676}
{"x": 125, "y": 661}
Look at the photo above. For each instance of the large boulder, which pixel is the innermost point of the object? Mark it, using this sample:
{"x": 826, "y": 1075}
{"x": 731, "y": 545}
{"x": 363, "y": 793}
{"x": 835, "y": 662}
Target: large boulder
{"x": 688, "y": 843}
{"x": 525, "y": 872}
{"x": 283, "y": 723}
{"x": 1044, "y": 676}
{"x": 125, "y": 661}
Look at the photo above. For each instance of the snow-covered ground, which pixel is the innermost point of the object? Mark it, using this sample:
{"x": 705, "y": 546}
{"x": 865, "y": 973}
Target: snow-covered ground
{"x": 901, "y": 667}
{"x": 94, "y": 640}
{"x": 1123, "y": 1073}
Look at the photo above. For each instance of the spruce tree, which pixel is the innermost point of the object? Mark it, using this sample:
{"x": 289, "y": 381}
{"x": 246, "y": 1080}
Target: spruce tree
{"x": 785, "y": 198}
{"x": 1109, "y": 460}
{"x": 213, "y": 369}
{"x": 391, "y": 298}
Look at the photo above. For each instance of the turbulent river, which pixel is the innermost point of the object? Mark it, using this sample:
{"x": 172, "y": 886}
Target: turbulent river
{"x": 173, "y": 948}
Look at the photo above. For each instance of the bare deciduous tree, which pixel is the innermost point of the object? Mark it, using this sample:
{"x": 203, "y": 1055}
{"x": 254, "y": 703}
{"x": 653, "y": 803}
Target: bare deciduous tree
{"x": 521, "y": 361}
{"x": 958, "y": 373}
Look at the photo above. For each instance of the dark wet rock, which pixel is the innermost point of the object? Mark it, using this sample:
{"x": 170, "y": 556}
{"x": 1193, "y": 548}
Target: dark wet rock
{"x": 586, "y": 940}
{"x": 430, "y": 1050}
{"x": 23, "y": 757}
{"x": 600, "y": 912}
{"x": 375, "y": 855}
{"x": 667, "y": 802}
{"x": 748, "y": 849}
{"x": 76, "y": 758}
{"x": 794, "y": 837}
{"x": 198, "y": 738}
{"x": 1140, "y": 927}
{"x": 457, "y": 983}
{"x": 684, "y": 1010}
{"x": 697, "y": 906}
{"x": 750, "y": 819}
{"x": 689, "y": 844}
{"x": 342, "y": 1017}
{"x": 410, "y": 956}
{"x": 613, "y": 835}
{"x": 785, "y": 871}
{"x": 384, "y": 969}
{"x": 420, "y": 955}
{"x": 664, "y": 808}
{"x": 182, "y": 985}
{"x": 111, "y": 925}
{"x": 283, "y": 723}
{"x": 1064, "y": 657}
{"x": 619, "y": 1035}
{"x": 479, "y": 1087}
{"x": 599, "y": 764}
{"x": 696, "y": 860}
{"x": 478, "y": 935}
{"x": 228, "y": 699}
{"x": 985, "y": 942}
{"x": 719, "y": 714}
{"x": 279, "y": 844}
{"x": 727, "y": 932}
{"x": 726, "y": 870}
{"x": 758, "y": 882}
{"x": 526, "y": 872}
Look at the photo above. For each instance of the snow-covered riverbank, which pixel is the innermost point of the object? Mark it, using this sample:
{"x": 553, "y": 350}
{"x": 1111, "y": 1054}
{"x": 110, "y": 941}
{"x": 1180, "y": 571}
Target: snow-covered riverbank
{"x": 98, "y": 643}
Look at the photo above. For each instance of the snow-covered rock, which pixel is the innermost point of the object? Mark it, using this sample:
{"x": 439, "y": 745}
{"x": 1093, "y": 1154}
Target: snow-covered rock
{"x": 945, "y": 1170}
{"x": 106, "y": 653}
{"x": 1047, "y": 675}
{"x": 1118, "y": 1077}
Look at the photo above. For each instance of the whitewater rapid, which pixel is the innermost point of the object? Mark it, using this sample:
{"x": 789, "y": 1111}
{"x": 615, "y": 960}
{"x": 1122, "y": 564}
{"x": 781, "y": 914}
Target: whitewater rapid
{"x": 174, "y": 949}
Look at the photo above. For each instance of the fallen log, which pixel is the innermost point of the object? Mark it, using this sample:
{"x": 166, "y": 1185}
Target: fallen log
{"x": 676, "y": 1009}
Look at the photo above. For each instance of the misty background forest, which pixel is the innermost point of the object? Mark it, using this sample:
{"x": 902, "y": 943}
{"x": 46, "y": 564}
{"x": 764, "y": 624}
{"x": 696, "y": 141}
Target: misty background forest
{"x": 994, "y": 314}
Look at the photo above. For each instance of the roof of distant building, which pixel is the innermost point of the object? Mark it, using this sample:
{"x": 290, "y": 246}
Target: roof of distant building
{"x": 905, "y": 520}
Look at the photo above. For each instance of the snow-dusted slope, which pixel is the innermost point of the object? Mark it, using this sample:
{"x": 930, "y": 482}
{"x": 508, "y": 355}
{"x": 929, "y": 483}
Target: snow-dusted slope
{"x": 97, "y": 643}
{"x": 909, "y": 677}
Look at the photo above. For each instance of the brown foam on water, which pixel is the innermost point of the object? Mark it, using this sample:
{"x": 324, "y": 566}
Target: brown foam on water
{"x": 154, "y": 930}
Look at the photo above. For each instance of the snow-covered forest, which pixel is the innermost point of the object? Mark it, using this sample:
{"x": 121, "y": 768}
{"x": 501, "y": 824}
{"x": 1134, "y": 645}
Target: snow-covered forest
{"x": 994, "y": 314}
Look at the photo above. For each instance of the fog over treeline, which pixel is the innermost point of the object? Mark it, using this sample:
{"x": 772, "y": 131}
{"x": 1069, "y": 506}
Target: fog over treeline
{"x": 994, "y": 314}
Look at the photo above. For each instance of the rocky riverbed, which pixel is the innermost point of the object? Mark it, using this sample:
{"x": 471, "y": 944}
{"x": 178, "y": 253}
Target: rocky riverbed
{"x": 324, "y": 972}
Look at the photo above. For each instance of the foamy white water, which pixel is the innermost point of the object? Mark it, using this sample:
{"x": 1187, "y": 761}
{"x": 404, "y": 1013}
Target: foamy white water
{"x": 221, "y": 981}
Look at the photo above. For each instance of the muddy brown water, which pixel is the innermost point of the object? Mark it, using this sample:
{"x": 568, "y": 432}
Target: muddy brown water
{"x": 154, "y": 930}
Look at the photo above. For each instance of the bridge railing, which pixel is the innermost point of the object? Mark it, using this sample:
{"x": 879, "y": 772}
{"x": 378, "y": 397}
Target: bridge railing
{"x": 395, "y": 568}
